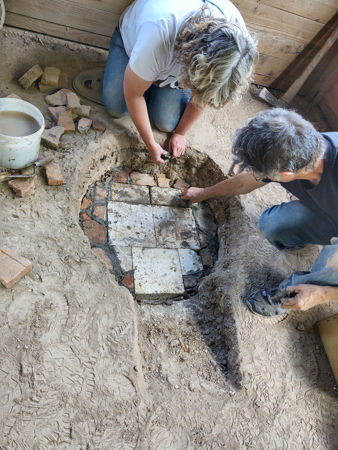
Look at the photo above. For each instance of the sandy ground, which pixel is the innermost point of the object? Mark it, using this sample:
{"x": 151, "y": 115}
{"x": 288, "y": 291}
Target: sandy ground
{"x": 83, "y": 366}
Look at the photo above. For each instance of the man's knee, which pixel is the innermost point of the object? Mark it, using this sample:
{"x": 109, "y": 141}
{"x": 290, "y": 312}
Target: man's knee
{"x": 114, "y": 104}
{"x": 164, "y": 126}
{"x": 279, "y": 233}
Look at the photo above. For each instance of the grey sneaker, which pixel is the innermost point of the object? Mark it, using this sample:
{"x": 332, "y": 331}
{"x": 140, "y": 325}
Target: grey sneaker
{"x": 267, "y": 302}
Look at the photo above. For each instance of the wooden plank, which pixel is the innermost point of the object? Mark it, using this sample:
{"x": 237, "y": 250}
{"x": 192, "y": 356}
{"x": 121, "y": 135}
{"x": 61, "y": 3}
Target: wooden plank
{"x": 71, "y": 34}
{"x": 115, "y": 6}
{"x": 67, "y": 13}
{"x": 276, "y": 20}
{"x": 317, "y": 10}
{"x": 329, "y": 107}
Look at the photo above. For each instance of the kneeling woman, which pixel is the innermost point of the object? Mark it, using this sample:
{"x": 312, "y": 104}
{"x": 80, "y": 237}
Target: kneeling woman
{"x": 169, "y": 59}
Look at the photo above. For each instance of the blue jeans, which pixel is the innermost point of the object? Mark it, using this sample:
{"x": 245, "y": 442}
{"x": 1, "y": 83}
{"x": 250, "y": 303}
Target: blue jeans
{"x": 292, "y": 226}
{"x": 165, "y": 105}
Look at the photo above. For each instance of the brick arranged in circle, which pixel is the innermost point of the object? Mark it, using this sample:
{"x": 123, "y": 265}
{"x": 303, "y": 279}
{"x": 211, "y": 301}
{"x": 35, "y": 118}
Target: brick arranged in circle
{"x": 156, "y": 243}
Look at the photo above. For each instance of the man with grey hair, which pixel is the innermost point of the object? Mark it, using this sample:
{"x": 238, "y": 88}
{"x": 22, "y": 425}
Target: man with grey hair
{"x": 279, "y": 145}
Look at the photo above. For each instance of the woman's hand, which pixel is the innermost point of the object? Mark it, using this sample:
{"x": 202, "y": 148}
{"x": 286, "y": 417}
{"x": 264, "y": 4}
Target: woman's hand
{"x": 177, "y": 145}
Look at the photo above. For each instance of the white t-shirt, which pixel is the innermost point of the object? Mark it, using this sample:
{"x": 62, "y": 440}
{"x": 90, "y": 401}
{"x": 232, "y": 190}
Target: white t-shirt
{"x": 149, "y": 29}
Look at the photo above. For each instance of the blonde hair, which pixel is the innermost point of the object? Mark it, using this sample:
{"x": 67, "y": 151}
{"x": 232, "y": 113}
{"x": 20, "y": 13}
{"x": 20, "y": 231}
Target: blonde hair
{"x": 216, "y": 57}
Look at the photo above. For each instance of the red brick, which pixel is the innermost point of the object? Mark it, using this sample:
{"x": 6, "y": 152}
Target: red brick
{"x": 100, "y": 193}
{"x": 72, "y": 100}
{"x": 162, "y": 180}
{"x": 23, "y": 187}
{"x": 51, "y": 76}
{"x": 66, "y": 121}
{"x": 100, "y": 253}
{"x": 100, "y": 212}
{"x": 51, "y": 138}
{"x": 95, "y": 232}
{"x": 120, "y": 174}
{"x": 86, "y": 202}
{"x": 28, "y": 78}
{"x": 55, "y": 111}
{"x": 59, "y": 98}
{"x": 84, "y": 216}
{"x": 142, "y": 179}
{"x": 53, "y": 174}
{"x": 84, "y": 125}
{"x": 180, "y": 184}
{"x": 128, "y": 281}
{"x": 97, "y": 125}
{"x": 12, "y": 267}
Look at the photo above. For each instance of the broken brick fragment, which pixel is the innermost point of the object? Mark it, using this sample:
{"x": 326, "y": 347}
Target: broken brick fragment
{"x": 45, "y": 88}
{"x": 120, "y": 174}
{"x": 142, "y": 179}
{"x": 53, "y": 174}
{"x": 28, "y": 78}
{"x": 55, "y": 111}
{"x": 13, "y": 96}
{"x": 23, "y": 187}
{"x": 95, "y": 232}
{"x": 100, "y": 193}
{"x": 59, "y": 98}
{"x": 162, "y": 180}
{"x": 98, "y": 126}
{"x": 128, "y": 281}
{"x": 81, "y": 111}
{"x": 84, "y": 125}
{"x": 100, "y": 253}
{"x": 84, "y": 216}
{"x": 100, "y": 211}
{"x": 180, "y": 184}
{"x": 72, "y": 100}
{"x": 86, "y": 202}
{"x": 12, "y": 267}
{"x": 51, "y": 138}
{"x": 50, "y": 77}
{"x": 66, "y": 121}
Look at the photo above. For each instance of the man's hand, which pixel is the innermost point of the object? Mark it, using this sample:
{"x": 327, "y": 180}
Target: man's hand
{"x": 156, "y": 151}
{"x": 177, "y": 145}
{"x": 194, "y": 194}
{"x": 307, "y": 296}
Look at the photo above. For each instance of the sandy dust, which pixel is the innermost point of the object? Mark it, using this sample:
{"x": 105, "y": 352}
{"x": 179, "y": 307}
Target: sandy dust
{"x": 83, "y": 366}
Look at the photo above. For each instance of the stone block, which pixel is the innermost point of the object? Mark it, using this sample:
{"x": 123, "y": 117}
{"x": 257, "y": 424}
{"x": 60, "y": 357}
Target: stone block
{"x": 186, "y": 228}
{"x": 50, "y": 77}
{"x": 72, "y": 100}
{"x": 167, "y": 197}
{"x": 101, "y": 254}
{"x": 100, "y": 211}
{"x": 12, "y": 267}
{"x": 130, "y": 225}
{"x": 84, "y": 125}
{"x": 142, "y": 179}
{"x": 162, "y": 180}
{"x": 190, "y": 261}
{"x": 157, "y": 272}
{"x": 28, "y": 78}
{"x": 59, "y": 98}
{"x": 124, "y": 256}
{"x": 65, "y": 120}
{"x": 81, "y": 111}
{"x": 55, "y": 111}
{"x": 97, "y": 125}
{"x": 130, "y": 194}
{"x": 23, "y": 187}
{"x": 53, "y": 174}
{"x": 95, "y": 232}
{"x": 43, "y": 88}
{"x": 51, "y": 137}
{"x": 205, "y": 219}
{"x": 120, "y": 174}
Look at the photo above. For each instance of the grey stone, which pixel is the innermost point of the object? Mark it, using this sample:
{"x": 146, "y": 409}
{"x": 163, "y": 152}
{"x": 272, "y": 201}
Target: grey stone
{"x": 130, "y": 194}
{"x": 186, "y": 230}
{"x": 157, "y": 272}
{"x": 190, "y": 261}
{"x": 167, "y": 197}
{"x": 125, "y": 258}
{"x": 130, "y": 225}
{"x": 205, "y": 219}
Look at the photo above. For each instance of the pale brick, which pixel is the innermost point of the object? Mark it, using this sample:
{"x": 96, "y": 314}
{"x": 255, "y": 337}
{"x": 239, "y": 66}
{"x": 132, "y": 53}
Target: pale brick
{"x": 12, "y": 267}
{"x": 98, "y": 125}
{"x": 59, "y": 98}
{"x": 23, "y": 187}
{"x": 130, "y": 225}
{"x": 190, "y": 261}
{"x": 55, "y": 111}
{"x": 50, "y": 77}
{"x": 168, "y": 197}
{"x": 28, "y": 78}
{"x": 95, "y": 232}
{"x": 43, "y": 88}
{"x": 142, "y": 179}
{"x": 65, "y": 120}
{"x": 100, "y": 193}
{"x": 53, "y": 174}
{"x": 84, "y": 125}
{"x": 162, "y": 180}
{"x": 124, "y": 256}
{"x": 101, "y": 254}
{"x": 72, "y": 100}
{"x": 100, "y": 211}
{"x": 130, "y": 194}
{"x": 157, "y": 272}
{"x": 51, "y": 138}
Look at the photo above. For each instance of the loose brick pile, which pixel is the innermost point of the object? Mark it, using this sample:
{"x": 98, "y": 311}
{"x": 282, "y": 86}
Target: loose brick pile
{"x": 155, "y": 243}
